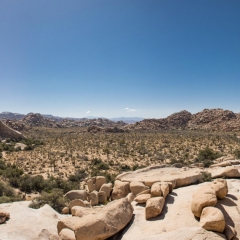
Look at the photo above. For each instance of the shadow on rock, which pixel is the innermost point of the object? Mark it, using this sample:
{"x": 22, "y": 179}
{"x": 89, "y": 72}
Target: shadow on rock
{"x": 232, "y": 196}
{"x": 119, "y": 235}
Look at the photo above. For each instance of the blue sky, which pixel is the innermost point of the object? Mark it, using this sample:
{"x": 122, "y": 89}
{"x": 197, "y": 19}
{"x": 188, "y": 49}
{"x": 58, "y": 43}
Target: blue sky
{"x": 119, "y": 58}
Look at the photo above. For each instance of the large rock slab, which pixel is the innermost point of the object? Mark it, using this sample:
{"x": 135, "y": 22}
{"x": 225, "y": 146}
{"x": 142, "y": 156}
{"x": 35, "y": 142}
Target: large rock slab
{"x": 108, "y": 221}
{"x": 178, "y": 177}
{"x": 28, "y": 224}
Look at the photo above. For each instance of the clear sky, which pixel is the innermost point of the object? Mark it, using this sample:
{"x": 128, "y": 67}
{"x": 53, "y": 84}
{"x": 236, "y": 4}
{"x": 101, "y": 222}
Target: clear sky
{"x": 119, "y": 58}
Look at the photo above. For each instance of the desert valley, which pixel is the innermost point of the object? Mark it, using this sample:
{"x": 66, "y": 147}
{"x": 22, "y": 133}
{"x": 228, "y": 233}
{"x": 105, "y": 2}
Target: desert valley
{"x": 170, "y": 178}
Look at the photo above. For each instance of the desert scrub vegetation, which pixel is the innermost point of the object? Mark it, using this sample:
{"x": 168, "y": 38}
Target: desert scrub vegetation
{"x": 206, "y": 156}
{"x": 68, "y": 150}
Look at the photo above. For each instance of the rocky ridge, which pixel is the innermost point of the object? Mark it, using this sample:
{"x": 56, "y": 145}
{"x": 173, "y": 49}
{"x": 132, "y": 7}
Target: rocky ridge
{"x": 208, "y": 119}
{"x": 38, "y": 120}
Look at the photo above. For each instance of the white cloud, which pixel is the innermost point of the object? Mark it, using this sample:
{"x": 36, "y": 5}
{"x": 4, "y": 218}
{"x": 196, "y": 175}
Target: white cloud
{"x": 130, "y": 110}
{"x": 88, "y": 112}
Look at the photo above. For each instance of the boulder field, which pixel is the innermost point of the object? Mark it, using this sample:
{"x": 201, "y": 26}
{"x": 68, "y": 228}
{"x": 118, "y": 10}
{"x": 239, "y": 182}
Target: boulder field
{"x": 158, "y": 202}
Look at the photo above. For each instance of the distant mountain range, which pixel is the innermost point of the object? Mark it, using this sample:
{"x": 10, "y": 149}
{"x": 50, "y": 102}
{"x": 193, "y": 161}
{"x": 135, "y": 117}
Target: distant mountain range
{"x": 18, "y": 116}
{"x": 208, "y": 119}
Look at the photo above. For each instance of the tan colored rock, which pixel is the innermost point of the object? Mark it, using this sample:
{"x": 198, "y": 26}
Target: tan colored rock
{"x": 156, "y": 190}
{"x": 67, "y": 234}
{"x": 76, "y": 202}
{"x": 102, "y": 197}
{"x": 108, "y": 221}
{"x": 76, "y": 194}
{"x": 91, "y": 186}
{"x": 204, "y": 197}
{"x": 130, "y": 197}
{"x": 222, "y": 164}
{"x": 148, "y": 191}
{"x": 93, "y": 198}
{"x": 220, "y": 189}
{"x": 4, "y": 213}
{"x": 81, "y": 211}
{"x": 100, "y": 180}
{"x": 107, "y": 188}
{"x": 120, "y": 190}
{"x": 142, "y": 198}
{"x": 87, "y": 204}
{"x": 212, "y": 219}
{"x": 222, "y": 181}
{"x": 230, "y": 232}
{"x": 165, "y": 189}
{"x": 154, "y": 207}
{"x": 65, "y": 210}
{"x": 137, "y": 187}
{"x": 68, "y": 222}
{"x": 229, "y": 172}
{"x": 170, "y": 186}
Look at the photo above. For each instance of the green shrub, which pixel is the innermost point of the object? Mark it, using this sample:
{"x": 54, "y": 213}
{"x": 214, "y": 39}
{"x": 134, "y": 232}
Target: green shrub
{"x": 237, "y": 153}
{"x": 206, "y": 156}
{"x": 54, "y": 198}
{"x": 207, "y": 177}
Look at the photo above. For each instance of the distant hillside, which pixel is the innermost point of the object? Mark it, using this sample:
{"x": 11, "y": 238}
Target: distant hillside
{"x": 208, "y": 119}
{"x": 38, "y": 120}
{"x": 11, "y": 116}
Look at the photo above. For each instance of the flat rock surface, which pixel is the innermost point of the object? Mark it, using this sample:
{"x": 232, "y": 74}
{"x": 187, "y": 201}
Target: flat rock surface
{"x": 177, "y": 221}
{"x": 27, "y": 224}
{"x": 160, "y": 174}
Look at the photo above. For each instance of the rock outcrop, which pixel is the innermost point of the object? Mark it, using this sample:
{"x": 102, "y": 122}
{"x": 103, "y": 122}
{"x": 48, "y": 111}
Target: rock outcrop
{"x": 7, "y": 132}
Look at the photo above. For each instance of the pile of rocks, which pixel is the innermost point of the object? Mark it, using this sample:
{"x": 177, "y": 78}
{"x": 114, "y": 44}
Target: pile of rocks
{"x": 202, "y": 206}
{"x": 153, "y": 197}
{"x": 99, "y": 192}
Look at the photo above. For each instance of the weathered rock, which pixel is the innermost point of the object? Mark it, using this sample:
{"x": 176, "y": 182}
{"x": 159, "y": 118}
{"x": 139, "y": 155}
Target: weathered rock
{"x": 65, "y": 210}
{"x": 87, "y": 204}
{"x": 102, "y": 197}
{"x": 120, "y": 189}
{"x": 3, "y": 220}
{"x": 170, "y": 186}
{"x": 130, "y": 197}
{"x": 154, "y": 207}
{"x": 76, "y": 194}
{"x": 212, "y": 219}
{"x": 178, "y": 176}
{"x": 68, "y": 222}
{"x": 91, "y": 186}
{"x": 230, "y": 232}
{"x": 220, "y": 189}
{"x": 76, "y": 202}
{"x": 8, "y": 132}
{"x": 67, "y": 234}
{"x": 108, "y": 221}
{"x": 156, "y": 190}
{"x": 229, "y": 172}
{"x": 93, "y": 198}
{"x": 81, "y": 211}
{"x": 204, "y": 197}
{"x": 165, "y": 189}
{"x": 100, "y": 180}
{"x": 4, "y": 213}
{"x": 142, "y": 198}
{"x": 107, "y": 188}
{"x": 148, "y": 191}
{"x": 137, "y": 187}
